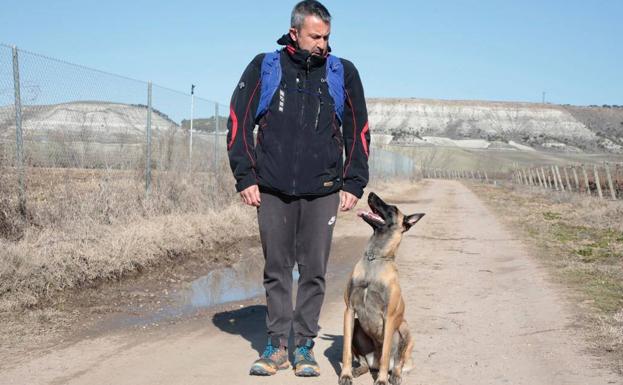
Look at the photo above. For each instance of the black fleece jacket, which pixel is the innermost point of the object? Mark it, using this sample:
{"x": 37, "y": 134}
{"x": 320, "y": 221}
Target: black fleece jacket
{"x": 301, "y": 150}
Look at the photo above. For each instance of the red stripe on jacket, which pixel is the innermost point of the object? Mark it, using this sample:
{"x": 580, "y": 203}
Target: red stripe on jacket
{"x": 352, "y": 148}
{"x": 363, "y": 139}
{"x": 234, "y": 127}
{"x": 244, "y": 123}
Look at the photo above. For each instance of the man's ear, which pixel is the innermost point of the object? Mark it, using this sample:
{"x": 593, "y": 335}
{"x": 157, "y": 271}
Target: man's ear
{"x": 293, "y": 33}
{"x": 410, "y": 220}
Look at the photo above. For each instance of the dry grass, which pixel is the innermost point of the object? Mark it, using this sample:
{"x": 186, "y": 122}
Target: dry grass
{"x": 581, "y": 239}
{"x": 83, "y": 226}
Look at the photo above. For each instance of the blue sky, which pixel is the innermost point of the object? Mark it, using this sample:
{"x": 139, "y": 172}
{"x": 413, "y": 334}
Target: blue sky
{"x": 485, "y": 50}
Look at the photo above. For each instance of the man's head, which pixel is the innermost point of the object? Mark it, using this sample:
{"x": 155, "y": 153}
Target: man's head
{"x": 310, "y": 26}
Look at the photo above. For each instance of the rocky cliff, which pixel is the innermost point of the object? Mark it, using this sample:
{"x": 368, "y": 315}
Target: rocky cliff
{"x": 471, "y": 124}
{"x": 92, "y": 120}
{"x": 485, "y": 124}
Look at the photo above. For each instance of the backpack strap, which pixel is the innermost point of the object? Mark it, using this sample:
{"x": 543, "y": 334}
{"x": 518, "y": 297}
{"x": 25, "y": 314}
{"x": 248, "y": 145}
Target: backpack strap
{"x": 270, "y": 78}
{"x": 335, "y": 80}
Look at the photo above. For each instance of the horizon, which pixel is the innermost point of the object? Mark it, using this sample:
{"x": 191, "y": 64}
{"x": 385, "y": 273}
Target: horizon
{"x": 449, "y": 51}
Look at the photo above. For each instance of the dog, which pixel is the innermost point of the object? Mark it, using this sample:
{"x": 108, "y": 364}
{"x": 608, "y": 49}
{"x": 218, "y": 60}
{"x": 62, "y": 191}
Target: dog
{"x": 375, "y": 331}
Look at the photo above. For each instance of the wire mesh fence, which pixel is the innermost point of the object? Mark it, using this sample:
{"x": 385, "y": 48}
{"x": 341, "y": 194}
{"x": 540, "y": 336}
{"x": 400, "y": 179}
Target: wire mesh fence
{"x": 76, "y": 142}
{"x": 386, "y": 164}
{"x": 8, "y": 140}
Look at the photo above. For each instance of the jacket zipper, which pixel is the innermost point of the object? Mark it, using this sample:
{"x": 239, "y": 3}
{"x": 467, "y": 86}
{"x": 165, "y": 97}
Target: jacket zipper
{"x": 301, "y": 117}
{"x": 318, "y": 111}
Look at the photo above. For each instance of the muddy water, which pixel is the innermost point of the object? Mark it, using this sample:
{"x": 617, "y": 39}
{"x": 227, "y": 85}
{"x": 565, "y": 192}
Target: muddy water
{"x": 243, "y": 280}
{"x": 238, "y": 282}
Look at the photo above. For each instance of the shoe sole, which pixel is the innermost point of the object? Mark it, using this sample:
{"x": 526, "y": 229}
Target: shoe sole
{"x": 307, "y": 372}
{"x": 258, "y": 370}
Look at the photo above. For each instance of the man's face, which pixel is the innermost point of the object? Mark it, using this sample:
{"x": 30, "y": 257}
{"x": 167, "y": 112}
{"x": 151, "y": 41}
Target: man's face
{"x": 313, "y": 36}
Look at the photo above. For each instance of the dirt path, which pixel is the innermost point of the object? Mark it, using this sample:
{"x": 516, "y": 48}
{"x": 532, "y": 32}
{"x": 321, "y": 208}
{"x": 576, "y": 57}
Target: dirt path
{"x": 481, "y": 308}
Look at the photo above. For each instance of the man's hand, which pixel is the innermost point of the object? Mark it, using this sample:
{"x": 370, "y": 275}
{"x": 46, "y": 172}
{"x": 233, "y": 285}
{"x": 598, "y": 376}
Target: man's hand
{"x": 251, "y": 196}
{"x": 347, "y": 201}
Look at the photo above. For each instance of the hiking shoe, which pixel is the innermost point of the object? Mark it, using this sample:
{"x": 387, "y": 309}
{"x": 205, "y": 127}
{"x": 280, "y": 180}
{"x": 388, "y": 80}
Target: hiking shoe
{"x": 273, "y": 359}
{"x": 305, "y": 364}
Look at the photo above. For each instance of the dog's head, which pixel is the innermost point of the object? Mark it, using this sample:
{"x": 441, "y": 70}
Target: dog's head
{"x": 386, "y": 218}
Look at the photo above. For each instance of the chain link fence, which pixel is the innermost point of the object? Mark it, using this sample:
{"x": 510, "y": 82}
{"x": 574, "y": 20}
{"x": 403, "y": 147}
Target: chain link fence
{"x": 386, "y": 164}
{"x": 101, "y": 175}
{"x": 8, "y": 141}
{"x": 79, "y": 142}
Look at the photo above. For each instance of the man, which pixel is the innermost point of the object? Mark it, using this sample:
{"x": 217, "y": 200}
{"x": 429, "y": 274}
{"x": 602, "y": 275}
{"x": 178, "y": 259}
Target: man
{"x": 299, "y": 171}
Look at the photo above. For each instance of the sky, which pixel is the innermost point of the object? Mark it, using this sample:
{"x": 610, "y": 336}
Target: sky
{"x": 466, "y": 50}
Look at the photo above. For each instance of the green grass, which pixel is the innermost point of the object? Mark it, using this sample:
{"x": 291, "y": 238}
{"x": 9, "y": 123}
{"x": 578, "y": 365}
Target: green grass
{"x": 550, "y": 216}
{"x": 582, "y": 247}
{"x": 493, "y": 160}
{"x": 604, "y": 289}
{"x": 589, "y": 245}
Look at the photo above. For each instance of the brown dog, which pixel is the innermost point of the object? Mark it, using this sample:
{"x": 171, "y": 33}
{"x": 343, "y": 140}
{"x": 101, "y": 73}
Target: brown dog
{"x": 375, "y": 332}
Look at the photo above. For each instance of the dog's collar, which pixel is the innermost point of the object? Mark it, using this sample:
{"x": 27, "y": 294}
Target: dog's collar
{"x": 372, "y": 257}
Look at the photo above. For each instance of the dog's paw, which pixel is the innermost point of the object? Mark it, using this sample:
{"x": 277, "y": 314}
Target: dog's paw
{"x": 395, "y": 380}
{"x": 408, "y": 366}
{"x": 380, "y": 382}
{"x": 345, "y": 379}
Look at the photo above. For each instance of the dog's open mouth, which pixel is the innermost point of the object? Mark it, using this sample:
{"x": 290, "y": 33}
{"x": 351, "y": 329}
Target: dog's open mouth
{"x": 371, "y": 216}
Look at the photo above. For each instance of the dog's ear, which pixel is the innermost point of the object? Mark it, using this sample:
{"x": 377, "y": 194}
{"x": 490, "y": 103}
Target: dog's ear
{"x": 410, "y": 220}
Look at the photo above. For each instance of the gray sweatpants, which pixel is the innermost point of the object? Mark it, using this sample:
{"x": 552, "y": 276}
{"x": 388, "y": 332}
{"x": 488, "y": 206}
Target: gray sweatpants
{"x": 295, "y": 230}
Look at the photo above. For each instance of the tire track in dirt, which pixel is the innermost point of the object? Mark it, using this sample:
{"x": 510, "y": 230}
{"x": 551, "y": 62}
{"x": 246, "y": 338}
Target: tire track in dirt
{"x": 481, "y": 309}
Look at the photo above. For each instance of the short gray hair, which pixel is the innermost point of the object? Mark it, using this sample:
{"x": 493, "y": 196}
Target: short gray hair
{"x": 308, "y": 8}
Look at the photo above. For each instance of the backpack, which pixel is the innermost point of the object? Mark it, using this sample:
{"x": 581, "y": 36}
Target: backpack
{"x": 271, "y": 77}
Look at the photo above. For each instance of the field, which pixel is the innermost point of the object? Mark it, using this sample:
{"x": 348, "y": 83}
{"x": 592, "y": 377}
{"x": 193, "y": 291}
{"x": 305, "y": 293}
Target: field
{"x": 89, "y": 220}
{"x": 580, "y": 240}
{"x": 492, "y": 160}
{"x": 84, "y": 228}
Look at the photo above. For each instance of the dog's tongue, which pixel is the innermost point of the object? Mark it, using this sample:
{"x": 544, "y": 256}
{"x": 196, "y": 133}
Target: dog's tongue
{"x": 371, "y": 215}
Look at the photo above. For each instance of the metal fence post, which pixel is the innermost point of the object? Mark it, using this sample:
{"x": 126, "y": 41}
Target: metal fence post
{"x": 19, "y": 140}
{"x": 148, "y": 133}
{"x": 192, "y": 112}
{"x": 216, "y": 128}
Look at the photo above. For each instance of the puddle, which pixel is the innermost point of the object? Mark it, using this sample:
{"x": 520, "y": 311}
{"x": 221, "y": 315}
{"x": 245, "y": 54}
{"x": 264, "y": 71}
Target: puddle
{"x": 239, "y": 282}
